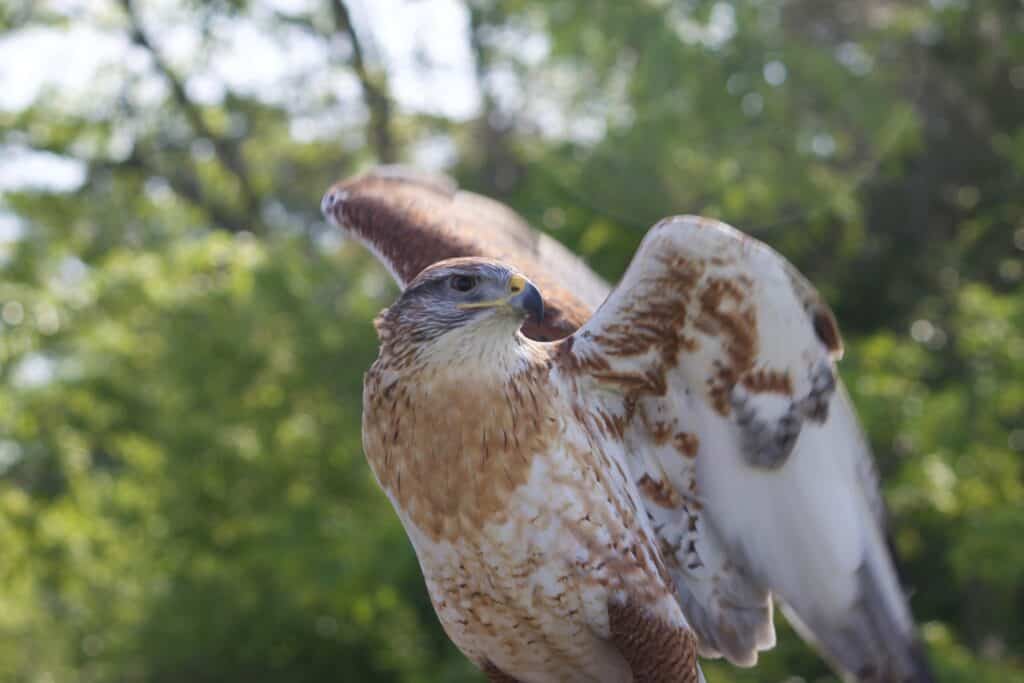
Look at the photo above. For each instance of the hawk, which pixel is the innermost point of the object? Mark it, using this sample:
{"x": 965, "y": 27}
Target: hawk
{"x": 508, "y": 476}
{"x": 708, "y": 378}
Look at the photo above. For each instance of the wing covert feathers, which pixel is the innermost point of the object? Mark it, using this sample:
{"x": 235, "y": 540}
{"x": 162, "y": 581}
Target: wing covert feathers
{"x": 712, "y": 340}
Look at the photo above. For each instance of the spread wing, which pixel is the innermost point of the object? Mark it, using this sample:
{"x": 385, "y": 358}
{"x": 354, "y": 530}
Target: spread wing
{"x": 410, "y": 220}
{"x": 714, "y": 360}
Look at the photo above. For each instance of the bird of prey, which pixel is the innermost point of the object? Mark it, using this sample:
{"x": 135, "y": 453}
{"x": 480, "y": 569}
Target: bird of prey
{"x": 503, "y": 465}
{"x": 708, "y": 375}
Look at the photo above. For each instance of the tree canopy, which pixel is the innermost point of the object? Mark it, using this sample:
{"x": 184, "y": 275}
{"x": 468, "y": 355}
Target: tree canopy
{"x": 182, "y": 338}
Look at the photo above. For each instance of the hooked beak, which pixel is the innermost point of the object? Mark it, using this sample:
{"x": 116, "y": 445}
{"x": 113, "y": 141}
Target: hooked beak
{"x": 526, "y": 297}
{"x": 523, "y": 296}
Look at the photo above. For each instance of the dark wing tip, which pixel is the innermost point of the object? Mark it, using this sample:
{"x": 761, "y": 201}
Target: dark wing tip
{"x": 827, "y": 329}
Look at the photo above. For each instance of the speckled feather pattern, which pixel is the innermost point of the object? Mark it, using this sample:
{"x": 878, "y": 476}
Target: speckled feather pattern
{"x": 527, "y": 529}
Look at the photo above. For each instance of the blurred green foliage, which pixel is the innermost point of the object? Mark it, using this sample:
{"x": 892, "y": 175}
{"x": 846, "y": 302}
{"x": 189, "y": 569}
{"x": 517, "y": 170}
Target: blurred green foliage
{"x": 182, "y": 339}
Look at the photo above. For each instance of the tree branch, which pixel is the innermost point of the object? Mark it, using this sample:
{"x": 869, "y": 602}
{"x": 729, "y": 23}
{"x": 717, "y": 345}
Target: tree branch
{"x": 374, "y": 89}
{"x": 227, "y": 152}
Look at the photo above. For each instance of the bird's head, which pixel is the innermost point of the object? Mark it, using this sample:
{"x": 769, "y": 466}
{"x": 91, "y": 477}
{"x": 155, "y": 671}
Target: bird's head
{"x": 461, "y": 308}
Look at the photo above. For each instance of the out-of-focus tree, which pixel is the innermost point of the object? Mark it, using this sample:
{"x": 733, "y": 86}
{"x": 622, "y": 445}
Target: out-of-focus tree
{"x": 182, "y": 493}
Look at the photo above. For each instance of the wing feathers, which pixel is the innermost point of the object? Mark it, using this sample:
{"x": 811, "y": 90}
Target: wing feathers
{"x": 869, "y": 644}
{"x": 725, "y": 333}
{"x": 410, "y": 220}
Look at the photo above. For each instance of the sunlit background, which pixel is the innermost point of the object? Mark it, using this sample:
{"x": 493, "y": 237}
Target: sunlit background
{"x": 182, "y": 338}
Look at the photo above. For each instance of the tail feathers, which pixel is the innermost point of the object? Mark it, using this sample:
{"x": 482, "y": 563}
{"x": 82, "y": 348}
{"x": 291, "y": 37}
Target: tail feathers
{"x": 874, "y": 642}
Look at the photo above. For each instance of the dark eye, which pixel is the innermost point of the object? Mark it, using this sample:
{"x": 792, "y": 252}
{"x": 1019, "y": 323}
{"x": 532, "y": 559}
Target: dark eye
{"x": 462, "y": 283}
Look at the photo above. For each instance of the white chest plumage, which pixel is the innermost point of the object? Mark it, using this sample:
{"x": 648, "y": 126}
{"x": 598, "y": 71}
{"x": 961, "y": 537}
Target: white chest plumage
{"x": 526, "y": 590}
{"x": 529, "y": 595}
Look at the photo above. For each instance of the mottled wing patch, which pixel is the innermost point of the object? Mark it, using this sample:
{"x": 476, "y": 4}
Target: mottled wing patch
{"x": 768, "y": 440}
{"x": 714, "y": 348}
{"x": 728, "y": 612}
{"x": 726, "y": 314}
{"x": 655, "y": 317}
{"x": 659, "y": 492}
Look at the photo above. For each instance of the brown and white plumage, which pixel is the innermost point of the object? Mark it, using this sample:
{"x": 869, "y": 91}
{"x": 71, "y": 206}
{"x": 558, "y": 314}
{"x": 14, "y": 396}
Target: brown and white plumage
{"x": 752, "y": 463}
{"x": 534, "y": 545}
{"x": 711, "y": 365}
